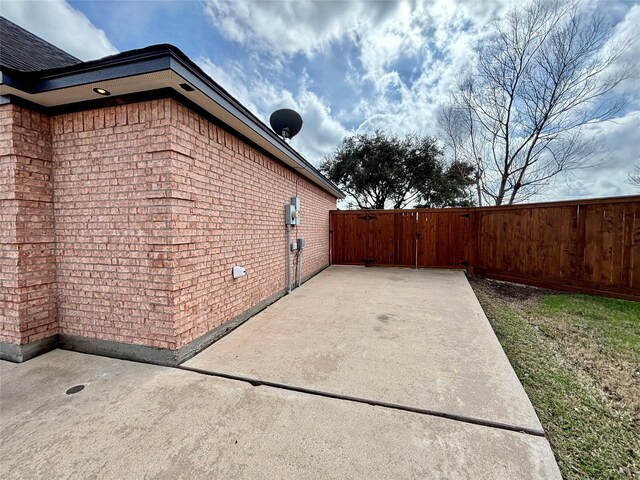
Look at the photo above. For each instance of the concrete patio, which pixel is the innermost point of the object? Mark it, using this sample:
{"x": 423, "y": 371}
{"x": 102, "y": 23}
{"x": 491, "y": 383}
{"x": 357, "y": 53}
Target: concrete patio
{"x": 415, "y": 338}
{"x": 360, "y": 373}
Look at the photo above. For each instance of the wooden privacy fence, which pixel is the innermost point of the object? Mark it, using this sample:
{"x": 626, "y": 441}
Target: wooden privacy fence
{"x": 590, "y": 246}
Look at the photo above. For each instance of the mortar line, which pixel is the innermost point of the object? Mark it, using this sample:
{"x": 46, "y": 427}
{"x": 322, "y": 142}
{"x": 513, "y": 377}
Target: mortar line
{"x": 376, "y": 403}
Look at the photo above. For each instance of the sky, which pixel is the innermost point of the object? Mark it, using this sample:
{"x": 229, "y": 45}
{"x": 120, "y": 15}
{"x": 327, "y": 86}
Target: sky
{"x": 347, "y": 67}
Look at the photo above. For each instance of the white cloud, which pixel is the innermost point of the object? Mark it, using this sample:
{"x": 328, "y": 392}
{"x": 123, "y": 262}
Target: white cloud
{"x": 382, "y": 31}
{"x": 629, "y": 28}
{"x": 320, "y": 132}
{"x": 436, "y": 37}
{"x": 61, "y": 25}
{"x": 617, "y": 143}
{"x": 288, "y": 27}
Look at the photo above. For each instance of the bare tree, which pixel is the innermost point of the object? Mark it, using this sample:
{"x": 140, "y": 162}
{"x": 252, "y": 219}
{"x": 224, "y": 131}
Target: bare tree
{"x": 459, "y": 134}
{"x": 549, "y": 70}
{"x": 634, "y": 177}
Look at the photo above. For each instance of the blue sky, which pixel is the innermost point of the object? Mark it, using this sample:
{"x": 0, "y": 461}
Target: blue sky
{"x": 345, "y": 66}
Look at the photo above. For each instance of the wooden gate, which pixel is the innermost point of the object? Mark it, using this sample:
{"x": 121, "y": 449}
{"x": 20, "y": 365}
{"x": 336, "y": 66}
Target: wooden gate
{"x": 444, "y": 238}
{"x": 374, "y": 238}
{"x": 408, "y": 238}
{"x": 590, "y": 246}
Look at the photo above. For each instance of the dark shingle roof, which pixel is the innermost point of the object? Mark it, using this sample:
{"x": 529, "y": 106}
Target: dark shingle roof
{"x": 22, "y": 50}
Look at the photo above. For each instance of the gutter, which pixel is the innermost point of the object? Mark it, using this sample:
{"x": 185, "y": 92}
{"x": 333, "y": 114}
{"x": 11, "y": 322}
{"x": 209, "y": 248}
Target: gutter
{"x": 153, "y": 59}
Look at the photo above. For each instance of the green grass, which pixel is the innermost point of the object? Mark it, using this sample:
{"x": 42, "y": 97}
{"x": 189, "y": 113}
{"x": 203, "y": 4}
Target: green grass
{"x": 611, "y": 323}
{"x": 591, "y": 435}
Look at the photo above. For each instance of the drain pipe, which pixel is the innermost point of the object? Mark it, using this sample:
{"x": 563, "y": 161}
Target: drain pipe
{"x": 299, "y": 266}
{"x": 300, "y": 248}
{"x": 288, "y": 258}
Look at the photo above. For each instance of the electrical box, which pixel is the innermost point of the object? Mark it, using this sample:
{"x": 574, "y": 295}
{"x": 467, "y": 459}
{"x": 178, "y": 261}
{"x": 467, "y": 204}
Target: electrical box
{"x": 238, "y": 272}
{"x": 293, "y": 246}
{"x": 295, "y": 201}
{"x": 290, "y": 215}
{"x": 300, "y": 243}
{"x": 292, "y": 212}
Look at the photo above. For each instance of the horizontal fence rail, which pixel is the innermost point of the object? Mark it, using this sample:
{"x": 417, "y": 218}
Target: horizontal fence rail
{"x": 590, "y": 246}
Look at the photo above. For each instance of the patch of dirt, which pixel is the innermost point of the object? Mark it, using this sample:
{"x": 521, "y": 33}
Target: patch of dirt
{"x": 516, "y": 295}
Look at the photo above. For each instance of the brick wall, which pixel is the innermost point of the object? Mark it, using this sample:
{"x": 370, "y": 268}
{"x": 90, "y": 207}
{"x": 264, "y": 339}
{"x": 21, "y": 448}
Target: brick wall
{"x": 113, "y": 224}
{"x": 27, "y": 266}
{"x": 229, "y": 210}
{"x": 153, "y": 207}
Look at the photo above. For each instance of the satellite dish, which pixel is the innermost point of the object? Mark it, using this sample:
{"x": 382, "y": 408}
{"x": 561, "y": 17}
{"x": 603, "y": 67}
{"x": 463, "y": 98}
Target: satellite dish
{"x": 286, "y": 122}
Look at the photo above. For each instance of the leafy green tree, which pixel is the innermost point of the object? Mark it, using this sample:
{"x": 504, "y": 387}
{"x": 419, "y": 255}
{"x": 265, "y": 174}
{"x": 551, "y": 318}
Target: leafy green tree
{"x": 452, "y": 188}
{"x": 386, "y": 171}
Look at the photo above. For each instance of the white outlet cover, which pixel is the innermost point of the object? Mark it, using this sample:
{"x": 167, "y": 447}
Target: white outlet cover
{"x": 238, "y": 272}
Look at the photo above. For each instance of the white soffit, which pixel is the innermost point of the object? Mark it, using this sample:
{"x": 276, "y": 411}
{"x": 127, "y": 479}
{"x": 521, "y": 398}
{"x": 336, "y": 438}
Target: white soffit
{"x": 154, "y": 81}
{"x": 82, "y": 93}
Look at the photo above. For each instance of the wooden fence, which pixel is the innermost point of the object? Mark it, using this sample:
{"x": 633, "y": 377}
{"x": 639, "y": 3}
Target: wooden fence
{"x": 590, "y": 246}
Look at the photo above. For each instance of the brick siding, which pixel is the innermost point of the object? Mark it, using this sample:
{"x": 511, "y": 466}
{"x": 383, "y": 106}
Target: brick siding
{"x": 111, "y": 225}
{"x": 152, "y": 207}
{"x": 27, "y": 266}
{"x": 229, "y": 209}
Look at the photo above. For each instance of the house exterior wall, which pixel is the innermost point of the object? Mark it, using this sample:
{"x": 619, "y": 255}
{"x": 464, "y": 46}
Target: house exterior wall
{"x": 27, "y": 266}
{"x": 152, "y": 207}
{"x": 229, "y": 210}
{"x": 113, "y": 224}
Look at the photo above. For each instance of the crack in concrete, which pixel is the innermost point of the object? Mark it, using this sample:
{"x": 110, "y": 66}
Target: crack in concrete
{"x": 376, "y": 403}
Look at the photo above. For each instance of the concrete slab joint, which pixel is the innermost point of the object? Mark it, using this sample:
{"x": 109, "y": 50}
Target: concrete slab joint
{"x": 401, "y": 381}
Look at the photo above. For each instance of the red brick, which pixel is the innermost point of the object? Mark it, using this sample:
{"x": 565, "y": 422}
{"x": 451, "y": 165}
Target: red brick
{"x": 28, "y": 303}
{"x": 152, "y": 207}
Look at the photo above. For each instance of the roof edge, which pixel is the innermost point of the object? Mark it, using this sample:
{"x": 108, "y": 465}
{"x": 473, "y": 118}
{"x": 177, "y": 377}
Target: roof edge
{"x": 151, "y": 59}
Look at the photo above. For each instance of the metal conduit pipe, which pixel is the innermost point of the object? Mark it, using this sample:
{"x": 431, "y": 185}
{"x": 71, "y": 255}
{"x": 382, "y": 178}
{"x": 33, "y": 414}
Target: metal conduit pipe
{"x": 288, "y": 258}
{"x": 299, "y": 266}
